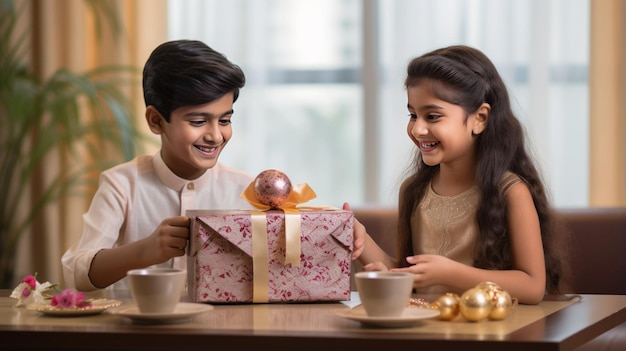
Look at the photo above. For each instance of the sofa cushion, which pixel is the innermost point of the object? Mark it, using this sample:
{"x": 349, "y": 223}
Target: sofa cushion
{"x": 597, "y": 240}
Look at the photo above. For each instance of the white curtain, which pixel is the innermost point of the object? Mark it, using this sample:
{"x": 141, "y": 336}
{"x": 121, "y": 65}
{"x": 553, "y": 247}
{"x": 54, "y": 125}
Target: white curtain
{"x": 325, "y": 102}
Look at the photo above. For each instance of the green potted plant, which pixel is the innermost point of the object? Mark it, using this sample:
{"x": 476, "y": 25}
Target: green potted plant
{"x": 82, "y": 118}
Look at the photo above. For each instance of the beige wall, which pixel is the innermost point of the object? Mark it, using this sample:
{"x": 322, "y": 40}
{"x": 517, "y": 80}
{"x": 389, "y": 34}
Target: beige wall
{"x": 607, "y": 81}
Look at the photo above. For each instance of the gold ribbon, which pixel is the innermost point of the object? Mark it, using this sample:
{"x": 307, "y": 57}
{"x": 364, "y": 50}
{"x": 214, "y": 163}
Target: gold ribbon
{"x": 260, "y": 254}
{"x": 260, "y": 270}
{"x": 299, "y": 194}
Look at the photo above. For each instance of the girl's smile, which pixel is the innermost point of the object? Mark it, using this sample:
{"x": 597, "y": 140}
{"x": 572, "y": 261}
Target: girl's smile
{"x": 427, "y": 146}
{"x": 441, "y": 130}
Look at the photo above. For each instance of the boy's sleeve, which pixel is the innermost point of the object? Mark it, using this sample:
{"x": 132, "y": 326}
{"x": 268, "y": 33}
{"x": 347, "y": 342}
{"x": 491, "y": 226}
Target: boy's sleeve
{"x": 102, "y": 224}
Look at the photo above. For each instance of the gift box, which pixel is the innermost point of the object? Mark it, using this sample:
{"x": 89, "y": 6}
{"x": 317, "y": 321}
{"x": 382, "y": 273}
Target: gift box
{"x": 269, "y": 256}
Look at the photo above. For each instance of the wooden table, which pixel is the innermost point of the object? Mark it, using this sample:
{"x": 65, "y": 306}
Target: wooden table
{"x": 548, "y": 326}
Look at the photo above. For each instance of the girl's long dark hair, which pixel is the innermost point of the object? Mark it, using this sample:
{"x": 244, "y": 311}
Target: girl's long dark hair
{"x": 466, "y": 77}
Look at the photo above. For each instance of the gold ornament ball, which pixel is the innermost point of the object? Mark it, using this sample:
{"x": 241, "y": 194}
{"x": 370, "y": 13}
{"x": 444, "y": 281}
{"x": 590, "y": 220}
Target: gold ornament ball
{"x": 493, "y": 289}
{"x": 448, "y": 306}
{"x": 502, "y": 305}
{"x": 488, "y": 286}
{"x": 475, "y": 305}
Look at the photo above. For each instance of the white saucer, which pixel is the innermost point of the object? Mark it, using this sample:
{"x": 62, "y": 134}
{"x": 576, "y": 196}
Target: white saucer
{"x": 409, "y": 317}
{"x": 97, "y": 306}
{"x": 183, "y": 311}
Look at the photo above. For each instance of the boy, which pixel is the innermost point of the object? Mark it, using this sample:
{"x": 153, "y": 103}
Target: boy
{"x": 137, "y": 216}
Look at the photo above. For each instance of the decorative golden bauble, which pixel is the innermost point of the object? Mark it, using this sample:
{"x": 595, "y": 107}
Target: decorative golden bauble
{"x": 485, "y": 300}
{"x": 475, "y": 304}
{"x": 488, "y": 286}
{"x": 502, "y": 305}
{"x": 448, "y": 306}
{"x": 493, "y": 289}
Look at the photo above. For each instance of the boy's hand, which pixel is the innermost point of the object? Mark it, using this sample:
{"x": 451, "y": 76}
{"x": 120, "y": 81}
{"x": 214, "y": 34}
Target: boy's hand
{"x": 169, "y": 239}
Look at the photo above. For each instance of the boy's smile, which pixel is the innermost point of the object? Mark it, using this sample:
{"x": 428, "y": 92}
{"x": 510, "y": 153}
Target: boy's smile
{"x": 195, "y": 136}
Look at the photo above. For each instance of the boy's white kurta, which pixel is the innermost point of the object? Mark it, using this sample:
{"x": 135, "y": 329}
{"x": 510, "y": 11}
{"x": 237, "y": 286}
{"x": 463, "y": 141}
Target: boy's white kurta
{"x": 131, "y": 201}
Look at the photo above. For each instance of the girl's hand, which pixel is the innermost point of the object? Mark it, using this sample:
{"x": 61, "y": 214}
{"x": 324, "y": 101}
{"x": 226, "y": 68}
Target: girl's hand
{"x": 168, "y": 240}
{"x": 375, "y": 266}
{"x": 358, "y": 236}
{"x": 430, "y": 270}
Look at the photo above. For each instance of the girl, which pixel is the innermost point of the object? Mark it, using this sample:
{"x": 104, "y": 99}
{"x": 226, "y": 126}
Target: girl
{"x": 474, "y": 209}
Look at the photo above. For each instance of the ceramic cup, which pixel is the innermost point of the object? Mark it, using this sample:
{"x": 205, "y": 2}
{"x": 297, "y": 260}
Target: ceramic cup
{"x": 156, "y": 290}
{"x": 384, "y": 294}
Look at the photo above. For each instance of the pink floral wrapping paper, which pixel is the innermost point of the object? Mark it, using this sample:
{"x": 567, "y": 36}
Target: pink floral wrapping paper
{"x": 220, "y": 257}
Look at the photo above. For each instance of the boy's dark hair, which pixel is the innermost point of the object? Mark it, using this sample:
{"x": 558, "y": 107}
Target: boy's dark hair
{"x": 188, "y": 72}
{"x": 464, "y": 76}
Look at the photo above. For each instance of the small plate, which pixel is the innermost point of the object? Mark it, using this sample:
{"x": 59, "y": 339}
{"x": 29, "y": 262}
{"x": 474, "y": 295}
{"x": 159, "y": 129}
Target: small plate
{"x": 183, "y": 311}
{"x": 409, "y": 317}
{"x": 97, "y": 306}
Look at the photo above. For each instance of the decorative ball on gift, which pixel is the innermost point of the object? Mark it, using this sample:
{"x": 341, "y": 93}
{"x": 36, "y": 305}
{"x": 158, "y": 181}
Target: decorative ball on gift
{"x": 272, "y": 187}
{"x": 448, "y": 306}
{"x": 475, "y": 304}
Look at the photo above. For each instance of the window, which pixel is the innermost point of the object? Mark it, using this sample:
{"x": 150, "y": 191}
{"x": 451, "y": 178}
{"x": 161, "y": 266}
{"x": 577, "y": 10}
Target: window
{"x": 324, "y": 99}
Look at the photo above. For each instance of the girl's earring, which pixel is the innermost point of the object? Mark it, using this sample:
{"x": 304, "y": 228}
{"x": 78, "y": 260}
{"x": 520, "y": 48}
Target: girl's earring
{"x": 474, "y": 132}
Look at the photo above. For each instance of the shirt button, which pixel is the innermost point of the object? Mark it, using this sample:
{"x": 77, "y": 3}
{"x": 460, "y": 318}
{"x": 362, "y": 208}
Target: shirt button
{"x": 190, "y": 186}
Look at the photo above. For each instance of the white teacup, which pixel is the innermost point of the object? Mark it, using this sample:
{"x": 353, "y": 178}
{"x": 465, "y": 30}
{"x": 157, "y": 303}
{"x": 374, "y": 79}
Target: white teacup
{"x": 156, "y": 290}
{"x": 384, "y": 294}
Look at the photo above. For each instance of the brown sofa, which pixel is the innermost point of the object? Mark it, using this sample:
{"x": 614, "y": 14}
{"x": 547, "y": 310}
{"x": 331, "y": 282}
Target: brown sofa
{"x": 597, "y": 259}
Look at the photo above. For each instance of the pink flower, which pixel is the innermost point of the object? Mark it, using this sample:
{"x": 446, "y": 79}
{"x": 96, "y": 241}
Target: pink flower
{"x": 68, "y": 299}
{"x": 31, "y": 291}
{"x": 30, "y": 280}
